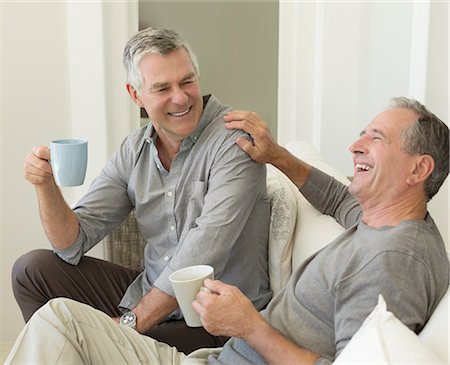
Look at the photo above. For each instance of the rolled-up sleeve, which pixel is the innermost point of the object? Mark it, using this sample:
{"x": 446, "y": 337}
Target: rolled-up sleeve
{"x": 103, "y": 207}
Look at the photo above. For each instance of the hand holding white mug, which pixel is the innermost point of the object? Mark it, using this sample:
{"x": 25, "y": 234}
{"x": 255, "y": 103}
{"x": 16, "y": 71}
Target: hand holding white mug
{"x": 226, "y": 311}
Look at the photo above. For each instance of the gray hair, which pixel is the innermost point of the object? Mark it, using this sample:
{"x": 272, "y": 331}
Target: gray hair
{"x": 152, "y": 41}
{"x": 428, "y": 135}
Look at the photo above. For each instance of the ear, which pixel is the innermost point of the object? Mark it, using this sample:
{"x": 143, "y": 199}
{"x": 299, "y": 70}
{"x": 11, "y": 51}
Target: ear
{"x": 424, "y": 166}
{"x": 134, "y": 95}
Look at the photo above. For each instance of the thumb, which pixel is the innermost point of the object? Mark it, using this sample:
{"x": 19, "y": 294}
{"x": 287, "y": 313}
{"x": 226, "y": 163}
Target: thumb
{"x": 245, "y": 144}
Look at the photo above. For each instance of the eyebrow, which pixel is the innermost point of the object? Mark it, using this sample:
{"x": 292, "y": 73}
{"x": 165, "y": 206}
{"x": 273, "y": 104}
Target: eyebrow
{"x": 159, "y": 85}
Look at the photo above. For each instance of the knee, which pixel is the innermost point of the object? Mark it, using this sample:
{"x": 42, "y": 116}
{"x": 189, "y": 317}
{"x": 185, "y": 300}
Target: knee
{"x": 57, "y": 313}
{"x": 29, "y": 264}
{"x": 60, "y": 308}
{"x": 66, "y": 312}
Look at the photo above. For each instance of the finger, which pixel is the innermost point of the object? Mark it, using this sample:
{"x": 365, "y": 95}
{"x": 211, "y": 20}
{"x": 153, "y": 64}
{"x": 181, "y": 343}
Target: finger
{"x": 205, "y": 289}
{"x": 197, "y": 306}
{"x": 38, "y": 166}
{"x": 216, "y": 286}
{"x": 37, "y": 172}
{"x": 41, "y": 152}
{"x": 38, "y": 179}
{"x": 247, "y": 118}
{"x": 244, "y": 125}
{"x": 237, "y": 115}
{"x": 246, "y": 145}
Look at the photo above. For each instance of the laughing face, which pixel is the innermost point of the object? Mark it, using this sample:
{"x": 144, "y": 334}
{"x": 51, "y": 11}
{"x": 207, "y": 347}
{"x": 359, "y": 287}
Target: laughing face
{"x": 170, "y": 94}
{"x": 381, "y": 166}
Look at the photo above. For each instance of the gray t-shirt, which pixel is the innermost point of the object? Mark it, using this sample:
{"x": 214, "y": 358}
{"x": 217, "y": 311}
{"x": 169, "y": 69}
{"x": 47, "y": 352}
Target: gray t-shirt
{"x": 210, "y": 208}
{"x": 329, "y": 296}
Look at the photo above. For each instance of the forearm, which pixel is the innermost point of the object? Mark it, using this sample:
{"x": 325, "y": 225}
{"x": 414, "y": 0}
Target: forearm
{"x": 227, "y": 312}
{"x": 59, "y": 221}
{"x": 153, "y": 308}
{"x": 296, "y": 170}
{"x": 277, "y": 349}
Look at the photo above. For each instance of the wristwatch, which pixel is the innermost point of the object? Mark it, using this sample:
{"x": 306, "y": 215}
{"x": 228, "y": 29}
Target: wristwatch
{"x": 128, "y": 319}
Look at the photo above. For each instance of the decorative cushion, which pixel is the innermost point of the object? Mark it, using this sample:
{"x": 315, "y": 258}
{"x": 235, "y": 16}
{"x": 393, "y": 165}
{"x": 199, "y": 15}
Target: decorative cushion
{"x": 383, "y": 339}
{"x": 283, "y": 216}
{"x": 436, "y": 332}
{"x": 314, "y": 230}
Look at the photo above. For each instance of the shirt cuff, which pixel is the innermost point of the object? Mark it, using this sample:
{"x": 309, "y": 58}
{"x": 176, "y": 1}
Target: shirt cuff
{"x": 163, "y": 282}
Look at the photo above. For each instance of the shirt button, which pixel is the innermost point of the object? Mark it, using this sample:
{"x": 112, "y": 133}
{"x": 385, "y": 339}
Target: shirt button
{"x": 166, "y": 258}
{"x": 172, "y": 228}
{"x": 169, "y": 193}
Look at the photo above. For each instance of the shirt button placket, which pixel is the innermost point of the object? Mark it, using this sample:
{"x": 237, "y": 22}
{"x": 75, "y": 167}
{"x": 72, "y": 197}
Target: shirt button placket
{"x": 170, "y": 195}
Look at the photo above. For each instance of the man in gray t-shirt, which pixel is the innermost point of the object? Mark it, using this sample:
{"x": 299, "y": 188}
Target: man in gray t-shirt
{"x": 391, "y": 246}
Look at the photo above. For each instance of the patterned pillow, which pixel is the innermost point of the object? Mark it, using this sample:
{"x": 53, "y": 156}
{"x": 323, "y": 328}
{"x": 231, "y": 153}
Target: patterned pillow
{"x": 283, "y": 216}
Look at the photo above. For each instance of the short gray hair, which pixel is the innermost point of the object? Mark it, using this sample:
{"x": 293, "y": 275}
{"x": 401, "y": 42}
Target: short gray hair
{"x": 152, "y": 41}
{"x": 428, "y": 135}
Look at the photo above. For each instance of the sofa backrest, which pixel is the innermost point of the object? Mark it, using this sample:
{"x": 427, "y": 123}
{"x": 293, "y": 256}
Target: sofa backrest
{"x": 297, "y": 229}
{"x": 313, "y": 230}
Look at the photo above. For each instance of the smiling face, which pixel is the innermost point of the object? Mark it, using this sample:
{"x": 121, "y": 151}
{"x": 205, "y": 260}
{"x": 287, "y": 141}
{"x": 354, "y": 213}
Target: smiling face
{"x": 382, "y": 169}
{"x": 170, "y": 94}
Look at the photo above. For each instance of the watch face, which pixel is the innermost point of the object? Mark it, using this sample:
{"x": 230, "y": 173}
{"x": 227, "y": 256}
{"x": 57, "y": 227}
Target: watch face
{"x": 128, "y": 319}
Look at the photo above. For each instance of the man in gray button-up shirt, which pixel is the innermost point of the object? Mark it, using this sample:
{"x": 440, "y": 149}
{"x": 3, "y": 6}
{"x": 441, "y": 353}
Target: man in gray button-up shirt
{"x": 198, "y": 199}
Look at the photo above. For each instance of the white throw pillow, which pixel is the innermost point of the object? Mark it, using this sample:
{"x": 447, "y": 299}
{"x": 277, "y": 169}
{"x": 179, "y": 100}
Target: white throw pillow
{"x": 314, "y": 230}
{"x": 383, "y": 339}
{"x": 283, "y": 216}
{"x": 436, "y": 332}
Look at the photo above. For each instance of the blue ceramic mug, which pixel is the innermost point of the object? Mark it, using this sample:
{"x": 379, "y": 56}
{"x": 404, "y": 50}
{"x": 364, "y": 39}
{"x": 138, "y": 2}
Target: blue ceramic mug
{"x": 68, "y": 158}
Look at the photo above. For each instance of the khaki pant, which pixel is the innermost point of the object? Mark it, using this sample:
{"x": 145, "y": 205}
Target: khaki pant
{"x": 68, "y": 332}
{"x": 40, "y": 275}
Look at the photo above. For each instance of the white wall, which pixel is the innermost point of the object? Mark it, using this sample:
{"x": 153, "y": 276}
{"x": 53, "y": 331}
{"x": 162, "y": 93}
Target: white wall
{"x": 341, "y": 62}
{"x": 61, "y": 77}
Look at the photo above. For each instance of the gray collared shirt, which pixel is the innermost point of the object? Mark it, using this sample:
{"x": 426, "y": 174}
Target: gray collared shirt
{"x": 210, "y": 208}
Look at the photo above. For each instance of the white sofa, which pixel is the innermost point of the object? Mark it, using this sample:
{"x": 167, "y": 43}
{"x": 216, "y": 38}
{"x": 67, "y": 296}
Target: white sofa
{"x": 298, "y": 230}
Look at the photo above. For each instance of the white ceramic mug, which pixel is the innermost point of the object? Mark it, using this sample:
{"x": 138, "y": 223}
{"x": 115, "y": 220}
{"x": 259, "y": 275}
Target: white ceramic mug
{"x": 68, "y": 158}
{"x": 186, "y": 283}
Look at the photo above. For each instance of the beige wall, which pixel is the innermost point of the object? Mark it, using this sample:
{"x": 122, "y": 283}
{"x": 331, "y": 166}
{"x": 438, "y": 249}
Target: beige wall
{"x": 55, "y": 84}
{"x": 236, "y": 43}
{"x": 35, "y": 106}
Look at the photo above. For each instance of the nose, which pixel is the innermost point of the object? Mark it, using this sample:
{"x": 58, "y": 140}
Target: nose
{"x": 359, "y": 146}
{"x": 179, "y": 97}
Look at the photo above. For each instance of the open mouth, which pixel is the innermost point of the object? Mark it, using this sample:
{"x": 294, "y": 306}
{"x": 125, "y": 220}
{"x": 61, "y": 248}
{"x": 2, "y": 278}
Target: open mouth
{"x": 180, "y": 114}
{"x": 362, "y": 167}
